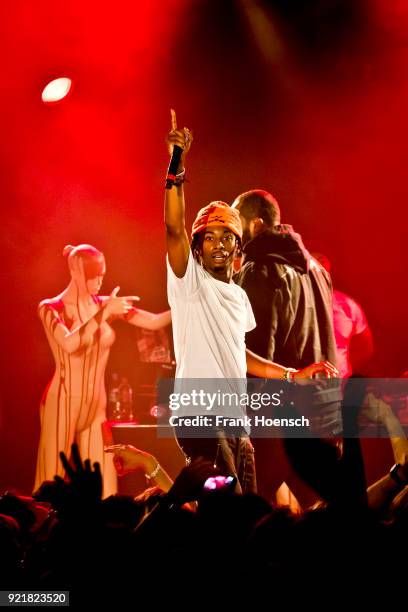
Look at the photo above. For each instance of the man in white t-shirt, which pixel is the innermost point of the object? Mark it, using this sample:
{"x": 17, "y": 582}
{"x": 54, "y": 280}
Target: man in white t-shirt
{"x": 210, "y": 316}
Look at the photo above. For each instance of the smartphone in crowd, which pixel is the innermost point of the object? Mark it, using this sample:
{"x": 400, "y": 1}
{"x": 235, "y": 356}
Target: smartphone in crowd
{"x": 214, "y": 483}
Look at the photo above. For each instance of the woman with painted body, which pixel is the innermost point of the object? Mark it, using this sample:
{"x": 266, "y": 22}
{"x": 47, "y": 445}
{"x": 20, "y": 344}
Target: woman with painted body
{"x": 77, "y": 326}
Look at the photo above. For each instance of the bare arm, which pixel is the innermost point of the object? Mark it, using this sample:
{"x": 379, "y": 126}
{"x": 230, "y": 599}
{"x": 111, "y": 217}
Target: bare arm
{"x": 178, "y": 246}
{"x": 128, "y": 458}
{"x": 381, "y": 493}
{"x": 262, "y": 368}
{"x": 148, "y": 320}
{"x": 73, "y": 340}
{"x": 378, "y": 411}
{"x": 162, "y": 479}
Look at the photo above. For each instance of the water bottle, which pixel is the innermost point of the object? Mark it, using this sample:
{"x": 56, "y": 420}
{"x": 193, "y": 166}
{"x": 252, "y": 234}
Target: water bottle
{"x": 126, "y": 400}
{"x": 114, "y": 407}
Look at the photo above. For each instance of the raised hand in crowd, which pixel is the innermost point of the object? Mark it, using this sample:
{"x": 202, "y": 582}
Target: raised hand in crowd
{"x": 377, "y": 411}
{"x": 127, "y": 459}
{"x": 81, "y": 492}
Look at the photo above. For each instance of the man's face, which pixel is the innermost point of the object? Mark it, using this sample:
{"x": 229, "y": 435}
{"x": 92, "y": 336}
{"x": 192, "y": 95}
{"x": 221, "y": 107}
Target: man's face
{"x": 218, "y": 247}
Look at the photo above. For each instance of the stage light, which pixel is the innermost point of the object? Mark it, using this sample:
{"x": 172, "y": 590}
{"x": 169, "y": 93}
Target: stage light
{"x": 56, "y": 90}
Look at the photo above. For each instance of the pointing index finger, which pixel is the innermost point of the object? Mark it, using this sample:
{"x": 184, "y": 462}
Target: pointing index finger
{"x": 173, "y": 119}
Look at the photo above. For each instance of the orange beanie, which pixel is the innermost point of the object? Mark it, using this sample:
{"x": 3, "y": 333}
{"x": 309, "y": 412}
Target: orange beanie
{"x": 217, "y": 213}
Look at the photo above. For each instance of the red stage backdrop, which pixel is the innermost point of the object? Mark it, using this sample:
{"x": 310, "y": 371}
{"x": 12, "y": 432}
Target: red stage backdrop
{"x": 308, "y": 101}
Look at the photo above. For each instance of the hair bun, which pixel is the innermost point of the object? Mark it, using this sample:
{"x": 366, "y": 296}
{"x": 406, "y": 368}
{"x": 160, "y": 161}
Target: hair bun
{"x": 67, "y": 250}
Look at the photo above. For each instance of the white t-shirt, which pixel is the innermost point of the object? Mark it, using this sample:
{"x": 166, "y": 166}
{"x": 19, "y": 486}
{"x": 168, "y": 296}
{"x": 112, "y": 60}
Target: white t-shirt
{"x": 210, "y": 319}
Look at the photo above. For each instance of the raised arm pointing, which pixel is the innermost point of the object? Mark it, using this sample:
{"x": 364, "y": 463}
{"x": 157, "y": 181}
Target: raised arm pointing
{"x": 178, "y": 246}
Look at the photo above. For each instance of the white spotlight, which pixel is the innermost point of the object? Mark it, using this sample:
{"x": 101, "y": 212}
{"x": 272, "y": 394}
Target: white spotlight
{"x": 56, "y": 90}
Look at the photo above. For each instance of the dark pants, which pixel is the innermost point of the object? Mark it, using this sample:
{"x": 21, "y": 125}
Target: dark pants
{"x": 232, "y": 456}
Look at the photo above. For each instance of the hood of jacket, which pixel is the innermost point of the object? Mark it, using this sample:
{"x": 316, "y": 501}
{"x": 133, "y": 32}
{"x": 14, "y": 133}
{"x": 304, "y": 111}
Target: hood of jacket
{"x": 281, "y": 245}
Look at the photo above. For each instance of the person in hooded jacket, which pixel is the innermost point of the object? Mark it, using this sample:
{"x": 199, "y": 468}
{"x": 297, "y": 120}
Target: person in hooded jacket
{"x": 291, "y": 297}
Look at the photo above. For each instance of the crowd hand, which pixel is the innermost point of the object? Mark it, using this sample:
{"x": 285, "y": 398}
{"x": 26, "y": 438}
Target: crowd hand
{"x": 404, "y": 468}
{"x": 83, "y": 489}
{"x": 120, "y": 305}
{"x": 400, "y": 450}
{"x": 127, "y": 458}
{"x": 323, "y": 368}
{"x": 56, "y": 493}
{"x": 182, "y": 138}
{"x": 188, "y": 485}
{"x": 376, "y": 410}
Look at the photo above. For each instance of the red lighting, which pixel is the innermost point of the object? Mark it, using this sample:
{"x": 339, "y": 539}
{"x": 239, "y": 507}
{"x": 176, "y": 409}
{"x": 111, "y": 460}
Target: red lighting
{"x": 56, "y": 90}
